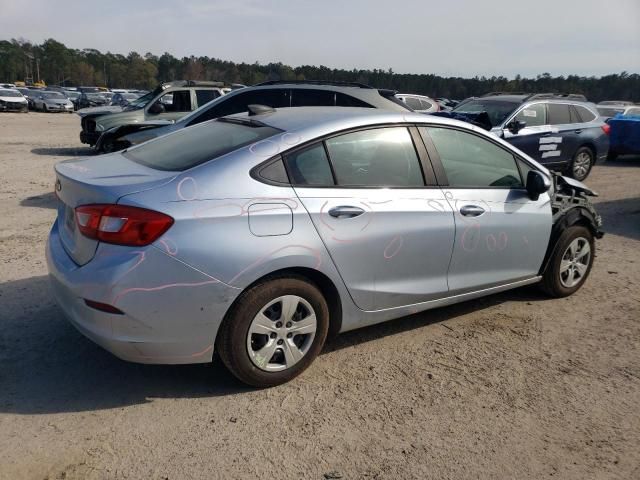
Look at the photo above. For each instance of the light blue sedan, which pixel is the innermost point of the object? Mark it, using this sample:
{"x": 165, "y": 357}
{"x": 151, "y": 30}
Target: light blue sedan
{"x": 258, "y": 235}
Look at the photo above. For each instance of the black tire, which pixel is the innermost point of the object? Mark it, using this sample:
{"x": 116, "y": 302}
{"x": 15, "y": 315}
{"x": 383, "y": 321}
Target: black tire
{"x": 577, "y": 168}
{"x": 231, "y": 342}
{"x": 44, "y": 108}
{"x": 552, "y": 283}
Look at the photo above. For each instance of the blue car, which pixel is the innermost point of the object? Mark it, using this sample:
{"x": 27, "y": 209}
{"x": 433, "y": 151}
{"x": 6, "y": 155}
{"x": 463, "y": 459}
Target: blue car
{"x": 562, "y": 132}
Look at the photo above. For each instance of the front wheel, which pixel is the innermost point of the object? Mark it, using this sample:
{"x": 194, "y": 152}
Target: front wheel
{"x": 571, "y": 262}
{"x": 274, "y": 331}
{"x": 582, "y": 162}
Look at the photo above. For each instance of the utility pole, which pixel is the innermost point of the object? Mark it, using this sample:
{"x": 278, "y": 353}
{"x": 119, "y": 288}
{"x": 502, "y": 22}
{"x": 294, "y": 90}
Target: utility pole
{"x": 38, "y": 68}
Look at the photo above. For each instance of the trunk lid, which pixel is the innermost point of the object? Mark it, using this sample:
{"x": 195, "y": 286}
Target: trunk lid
{"x": 102, "y": 179}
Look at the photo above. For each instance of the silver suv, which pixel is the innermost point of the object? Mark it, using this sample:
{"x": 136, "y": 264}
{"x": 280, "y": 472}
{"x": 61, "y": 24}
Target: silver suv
{"x": 164, "y": 105}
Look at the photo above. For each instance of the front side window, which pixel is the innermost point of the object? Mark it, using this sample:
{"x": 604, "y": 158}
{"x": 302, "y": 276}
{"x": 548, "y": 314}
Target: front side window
{"x": 180, "y": 102}
{"x": 378, "y": 157}
{"x": 533, "y": 115}
{"x": 559, "y": 114}
{"x": 470, "y": 161}
{"x": 310, "y": 167}
{"x": 189, "y": 147}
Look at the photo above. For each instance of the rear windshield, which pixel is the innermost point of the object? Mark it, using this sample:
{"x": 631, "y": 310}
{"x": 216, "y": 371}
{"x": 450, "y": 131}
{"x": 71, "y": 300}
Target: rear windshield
{"x": 498, "y": 110}
{"x": 198, "y": 144}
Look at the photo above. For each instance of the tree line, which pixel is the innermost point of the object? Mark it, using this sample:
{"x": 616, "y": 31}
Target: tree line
{"x": 56, "y": 64}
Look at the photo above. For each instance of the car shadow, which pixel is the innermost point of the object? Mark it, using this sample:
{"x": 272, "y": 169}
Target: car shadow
{"x": 45, "y": 200}
{"x": 64, "y": 151}
{"x": 622, "y": 161}
{"x": 46, "y": 366}
{"x": 621, "y": 217}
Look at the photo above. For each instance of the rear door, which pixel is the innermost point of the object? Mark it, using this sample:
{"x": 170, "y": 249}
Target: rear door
{"x": 568, "y": 129}
{"x": 501, "y": 234}
{"x": 389, "y": 235}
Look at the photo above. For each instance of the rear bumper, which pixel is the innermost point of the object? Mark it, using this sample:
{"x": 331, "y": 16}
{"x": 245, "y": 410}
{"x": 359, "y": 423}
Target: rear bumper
{"x": 171, "y": 311}
{"x": 89, "y": 138}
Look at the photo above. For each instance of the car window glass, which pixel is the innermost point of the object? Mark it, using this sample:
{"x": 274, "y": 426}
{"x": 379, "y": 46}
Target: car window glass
{"x": 558, "y": 114}
{"x": 633, "y": 111}
{"x": 425, "y": 105}
{"x": 378, "y": 157}
{"x": 343, "y": 100}
{"x": 205, "y": 96}
{"x": 274, "y": 172}
{"x": 312, "y": 98}
{"x": 413, "y": 103}
{"x": 230, "y": 104}
{"x": 533, "y": 115}
{"x": 189, "y": 147}
{"x": 310, "y": 167}
{"x": 472, "y": 161}
{"x": 584, "y": 113}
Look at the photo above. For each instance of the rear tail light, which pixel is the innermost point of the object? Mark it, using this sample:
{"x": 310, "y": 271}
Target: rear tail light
{"x": 606, "y": 128}
{"x": 121, "y": 224}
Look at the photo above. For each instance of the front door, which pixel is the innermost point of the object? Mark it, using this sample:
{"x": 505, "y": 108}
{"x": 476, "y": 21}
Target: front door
{"x": 389, "y": 236}
{"x": 501, "y": 234}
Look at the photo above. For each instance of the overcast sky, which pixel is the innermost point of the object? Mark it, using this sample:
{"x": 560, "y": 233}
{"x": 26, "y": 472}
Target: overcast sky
{"x": 453, "y": 37}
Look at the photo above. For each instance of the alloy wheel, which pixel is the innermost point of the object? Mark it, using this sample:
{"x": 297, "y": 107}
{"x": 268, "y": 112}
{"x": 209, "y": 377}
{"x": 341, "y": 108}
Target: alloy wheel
{"x": 282, "y": 333}
{"x": 581, "y": 165}
{"x": 575, "y": 262}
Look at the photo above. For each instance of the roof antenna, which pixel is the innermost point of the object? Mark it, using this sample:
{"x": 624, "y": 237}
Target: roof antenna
{"x": 255, "y": 109}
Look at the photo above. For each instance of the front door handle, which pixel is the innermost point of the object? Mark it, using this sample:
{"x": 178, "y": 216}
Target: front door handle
{"x": 345, "y": 211}
{"x": 579, "y": 130}
{"x": 471, "y": 211}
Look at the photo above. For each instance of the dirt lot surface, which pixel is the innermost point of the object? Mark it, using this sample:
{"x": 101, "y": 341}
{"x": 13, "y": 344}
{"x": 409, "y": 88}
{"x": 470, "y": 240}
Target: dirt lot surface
{"x": 511, "y": 386}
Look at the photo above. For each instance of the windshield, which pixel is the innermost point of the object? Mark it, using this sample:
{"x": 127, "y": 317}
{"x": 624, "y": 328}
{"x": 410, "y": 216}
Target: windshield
{"x": 142, "y": 101}
{"x": 498, "y": 110}
{"x": 72, "y": 94}
{"x": 195, "y": 145}
{"x": 53, "y": 95}
{"x": 9, "y": 93}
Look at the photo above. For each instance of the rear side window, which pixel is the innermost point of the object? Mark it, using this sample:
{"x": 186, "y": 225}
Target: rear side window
{"x": 343, "y": 100}
{"x": 189, "y": 147}
{"x": 425, "y": 105}
{"x": 413, "y": 103}
{"x": 310, "y": 167}
{"x": 558, "y": 114}
{"x": 533, "y": 115}
{"x": 584, "y": 114}
{"x": 470, "y": 161}
{"x": 304, "y": 97}
{"x": 205, "y": 96}
{"x": 373, "y": 158}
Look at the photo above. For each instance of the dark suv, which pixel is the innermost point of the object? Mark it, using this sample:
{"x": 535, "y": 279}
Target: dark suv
{"x": 276, "y": 94}
{"x": 563, "y": 132}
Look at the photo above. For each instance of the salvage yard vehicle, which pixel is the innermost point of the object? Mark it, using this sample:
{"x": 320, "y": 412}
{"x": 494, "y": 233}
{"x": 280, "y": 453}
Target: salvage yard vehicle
{"x": 276, "y": 94}
{"x": 258, "y": 234}
{"x": 625, "y": 133}
{"x": 166, "y": 104}
{"x": 91, "y": 99}
{"x": 419, "y": 103}
{"x": 11, "y": 100}
{"x": 563, "y": 132}
{"x": 52, "y": 102}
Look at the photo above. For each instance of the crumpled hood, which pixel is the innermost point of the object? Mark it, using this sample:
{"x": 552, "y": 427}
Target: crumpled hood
{"x": 116, "y": 119}
{"x": 577, "y": 185}
{"x": 83, "y": 112}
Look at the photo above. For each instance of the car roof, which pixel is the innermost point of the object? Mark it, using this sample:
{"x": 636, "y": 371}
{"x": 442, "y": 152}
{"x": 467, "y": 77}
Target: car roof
{"x": 340, "y": 118}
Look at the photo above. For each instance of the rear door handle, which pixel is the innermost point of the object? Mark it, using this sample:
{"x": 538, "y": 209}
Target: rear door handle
{"x": 471, "y": 211}
{"x": 345, "y": 211}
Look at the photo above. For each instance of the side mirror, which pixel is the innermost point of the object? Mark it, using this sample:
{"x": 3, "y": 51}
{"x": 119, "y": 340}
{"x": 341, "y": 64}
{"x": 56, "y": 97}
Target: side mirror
{"x": 515, "y": 126}
{"x": 156, "y": 108}
{"x": 536, "y": 184}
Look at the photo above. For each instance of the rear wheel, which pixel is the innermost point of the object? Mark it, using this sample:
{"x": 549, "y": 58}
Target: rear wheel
{"x": 274, "y": 331}
{"x": 571, "y": 263}
{"x": 582, "y": 162}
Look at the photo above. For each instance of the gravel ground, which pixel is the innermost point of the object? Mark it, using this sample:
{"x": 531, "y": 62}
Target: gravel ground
{"x": 511, "y": 386}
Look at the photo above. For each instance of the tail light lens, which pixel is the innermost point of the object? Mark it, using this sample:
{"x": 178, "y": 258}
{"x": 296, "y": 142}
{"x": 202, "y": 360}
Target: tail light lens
{"x": 606, "y": 128}
{"x": 122, "y": 224}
